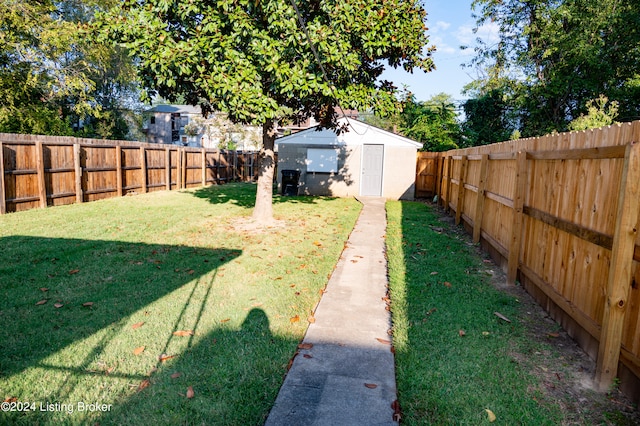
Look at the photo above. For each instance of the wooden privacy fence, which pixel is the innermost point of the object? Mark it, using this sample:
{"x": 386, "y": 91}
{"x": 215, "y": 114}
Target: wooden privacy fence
{"x": 560, "y": 214}
{"x": 428, "y": 174}
{"x": 38, "y": 171}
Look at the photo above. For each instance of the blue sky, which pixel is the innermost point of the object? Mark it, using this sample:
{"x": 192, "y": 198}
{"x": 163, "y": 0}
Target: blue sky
{"x": 450, "y": 25}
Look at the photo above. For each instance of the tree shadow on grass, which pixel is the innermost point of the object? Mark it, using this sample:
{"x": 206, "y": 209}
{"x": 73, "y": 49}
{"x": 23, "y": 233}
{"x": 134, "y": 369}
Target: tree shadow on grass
{"x": 244, "y": 195}
{"x": 63, "y": 301}
{"x": 235, "y": 375}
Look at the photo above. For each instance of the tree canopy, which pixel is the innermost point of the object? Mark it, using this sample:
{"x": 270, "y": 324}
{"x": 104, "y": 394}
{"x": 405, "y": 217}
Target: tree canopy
{"x": 52, "y": 74}
{"x": 261, "y": 61}
{"x": 555, "y": 58}
{"x": 254, "y": 61}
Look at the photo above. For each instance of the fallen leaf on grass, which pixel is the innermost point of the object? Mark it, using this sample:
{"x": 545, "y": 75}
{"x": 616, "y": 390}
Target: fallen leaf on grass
{"x": 183, "y": 333}
{"x": 371, "y": 385}
{"x": 137, "y": 325}
{"x": 74, "y": 271}
{"x": 225, "y": 320}
{"x": 311, "y": 319}
{"x": 502, "y": 317}
{"x": 305, "y": 345}
{"x": 58, "y": 305}
{"x": 294, "y": 319}
{"x": 176, "y": 375}
{"x": 553, "y": 334}
{"x": 43, "y": 289}
{"x": 447, "y": 284}
{"x": 143, "y": 384}
{"x": 164, "y": 357}
{"x": 11, "y": 399}
{"x": 462, "y": 333}
{"x": 190, "y": 392}
{"x": 138, "y": 350}
{"x": 42, "y": 302}
{"x": 490, "y": 415}
{"x": 87, "y": 304}
{"x": 383, "y": 341}
{"x": 317, "y": 243}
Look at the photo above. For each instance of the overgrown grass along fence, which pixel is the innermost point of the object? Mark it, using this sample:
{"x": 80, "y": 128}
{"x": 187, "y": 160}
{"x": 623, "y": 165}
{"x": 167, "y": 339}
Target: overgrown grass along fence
{"x": 560, "y": 214}
{"x": 37, "y": 171}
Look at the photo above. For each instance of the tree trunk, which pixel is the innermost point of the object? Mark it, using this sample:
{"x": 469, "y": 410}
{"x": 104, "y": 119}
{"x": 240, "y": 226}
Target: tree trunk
{"x": 263, "y": 211}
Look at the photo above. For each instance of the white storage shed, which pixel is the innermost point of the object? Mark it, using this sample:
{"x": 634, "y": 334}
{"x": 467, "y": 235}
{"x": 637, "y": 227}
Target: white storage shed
{"x": 365, "y": 161}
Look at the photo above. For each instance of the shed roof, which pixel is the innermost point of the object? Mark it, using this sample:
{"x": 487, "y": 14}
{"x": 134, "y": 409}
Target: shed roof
{"x": 182, "y": 109}
{"x": 359, "y": 133}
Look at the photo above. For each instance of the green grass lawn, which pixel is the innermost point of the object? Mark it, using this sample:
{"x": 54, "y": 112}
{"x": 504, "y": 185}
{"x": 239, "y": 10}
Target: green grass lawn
{"x": 157, "y": 308}
{"x": 455, "y": 358}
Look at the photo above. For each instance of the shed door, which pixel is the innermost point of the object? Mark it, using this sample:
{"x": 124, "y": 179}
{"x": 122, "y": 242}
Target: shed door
{"x": 372, "y": 161}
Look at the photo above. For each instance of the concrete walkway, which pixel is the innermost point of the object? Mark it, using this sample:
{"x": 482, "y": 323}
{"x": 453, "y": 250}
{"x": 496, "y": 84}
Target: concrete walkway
{"x": 347, "y": 376}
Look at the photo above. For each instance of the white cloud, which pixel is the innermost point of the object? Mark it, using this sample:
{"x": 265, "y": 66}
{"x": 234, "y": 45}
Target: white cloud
{"x": 489, "y": 33}
{"x": 441, "y": 26}
{"x": 441, "y": 45}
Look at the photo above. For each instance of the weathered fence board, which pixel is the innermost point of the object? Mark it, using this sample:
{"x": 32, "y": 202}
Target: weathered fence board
{"x": 40, "y": 171}
{"x": 427, "y": 173}
{"x": 560, "y": 214}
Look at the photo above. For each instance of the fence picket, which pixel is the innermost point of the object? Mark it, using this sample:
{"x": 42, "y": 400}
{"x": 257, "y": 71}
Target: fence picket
{"x": 77, "y": 166}
{"x": 42, "y": 185}
{"x": 480, "y": 196}
{"x": 3, "y": 203}
{"x": 517, "y": 222}
{"x": 118, "y": 155}
{"x": 621, "y": 269}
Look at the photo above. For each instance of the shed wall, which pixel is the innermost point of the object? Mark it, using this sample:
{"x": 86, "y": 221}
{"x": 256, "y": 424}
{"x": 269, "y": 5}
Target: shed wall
{"x": 399, "y": 180}
{"x": 398, "y": 174}
{"x": 344, "y": 183}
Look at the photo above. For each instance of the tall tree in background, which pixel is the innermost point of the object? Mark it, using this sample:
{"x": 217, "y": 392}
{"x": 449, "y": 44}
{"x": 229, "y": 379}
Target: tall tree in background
{"x": 487, "y": 119}
{"x": 555, "y": 56}
{"x": 263, "y": 61}
{"x": 52, "y": 73}
{"x": 433, "y": 122}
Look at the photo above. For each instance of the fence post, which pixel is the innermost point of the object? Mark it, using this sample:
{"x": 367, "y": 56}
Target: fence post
{"x": 204, "y": 167}
{"x": 42, "y": 186}
{"x": 463, "y": 176}
{"x": 620, "y": 269}
{"x": 439, "y": 170}
{"x": 477, "y": 221}
{"x": 3, "y": 203}
{"x": 167, "y": 167}
{"x": 235, "y": 165}
{"x": 119, "y": 170}
{"x": 77, "y": 165}
{"x": 143, "y": 168}
{"x": 518, "y": 217}
{"x": 447, "y": 206}
{"x": 218, "y": 165}
{"x": 183, "y": 164}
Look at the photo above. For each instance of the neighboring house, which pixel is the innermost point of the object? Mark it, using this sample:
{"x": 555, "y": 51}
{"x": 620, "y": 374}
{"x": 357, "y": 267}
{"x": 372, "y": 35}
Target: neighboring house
{"x": 365, "y": 161}
{"x": 184, "y": 125}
